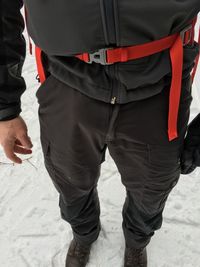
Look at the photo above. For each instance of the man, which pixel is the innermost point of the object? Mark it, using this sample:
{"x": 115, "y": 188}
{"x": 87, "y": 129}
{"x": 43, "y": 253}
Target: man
{"x": 85, "y": 108}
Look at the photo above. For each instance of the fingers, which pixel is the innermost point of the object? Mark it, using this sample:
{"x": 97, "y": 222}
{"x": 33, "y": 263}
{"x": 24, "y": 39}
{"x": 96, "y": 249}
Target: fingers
{"x": 24, "y": 140}
{"x": 11, "y": 147}
{"x": 21, "y": 145}
{"x": 9, "y": 151}
{"x": 14, "y": 139}
{"x": 21, "y": 150}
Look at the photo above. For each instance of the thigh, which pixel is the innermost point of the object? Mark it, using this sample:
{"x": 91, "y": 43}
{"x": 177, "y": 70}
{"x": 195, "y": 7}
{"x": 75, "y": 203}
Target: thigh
{"x": 148, "y": 163}
{"x": 146, "y": 121}
{"x": 72, "y": 129}
{"x": 149, "y": 173}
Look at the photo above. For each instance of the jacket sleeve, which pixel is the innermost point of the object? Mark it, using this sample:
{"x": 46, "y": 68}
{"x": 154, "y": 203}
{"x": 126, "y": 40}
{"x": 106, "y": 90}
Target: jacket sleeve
{"x": 12, "y": 56}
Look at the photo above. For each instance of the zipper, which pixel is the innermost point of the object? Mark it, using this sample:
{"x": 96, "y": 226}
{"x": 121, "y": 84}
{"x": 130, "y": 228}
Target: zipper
{"x": 114, "y": 91}
{"x": 113, "y": 100}
{"x": 108, "y": 19}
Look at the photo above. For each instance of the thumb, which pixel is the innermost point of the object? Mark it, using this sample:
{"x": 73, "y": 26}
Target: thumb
{"x": 25, "y": 141}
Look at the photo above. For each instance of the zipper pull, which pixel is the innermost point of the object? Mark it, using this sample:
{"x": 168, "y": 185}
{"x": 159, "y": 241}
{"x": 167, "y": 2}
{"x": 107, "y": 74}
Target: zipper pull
{"x": 113, "y": 100}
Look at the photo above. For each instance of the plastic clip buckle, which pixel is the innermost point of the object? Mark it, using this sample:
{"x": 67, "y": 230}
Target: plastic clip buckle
{"x": 99, "y": 56}
{"x": 183, "y": 35}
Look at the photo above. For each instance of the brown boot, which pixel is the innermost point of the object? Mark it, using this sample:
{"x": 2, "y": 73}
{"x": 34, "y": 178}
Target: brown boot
{"x": 135, "y": 257}
{"x": 77, "y": 255}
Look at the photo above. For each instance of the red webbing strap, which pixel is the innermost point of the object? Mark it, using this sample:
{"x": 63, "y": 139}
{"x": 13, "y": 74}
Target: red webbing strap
{"x": 40, "y": 68}
{"x": 29, "y": 39}
{"x": 84, "y": 57}
{"x": 138, "y": 51}
{"x": 176, "y": 55}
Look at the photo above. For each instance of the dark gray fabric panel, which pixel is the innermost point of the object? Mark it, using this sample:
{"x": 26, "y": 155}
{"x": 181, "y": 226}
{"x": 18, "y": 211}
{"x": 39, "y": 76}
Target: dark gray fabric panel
{"x": 71, "y": 27}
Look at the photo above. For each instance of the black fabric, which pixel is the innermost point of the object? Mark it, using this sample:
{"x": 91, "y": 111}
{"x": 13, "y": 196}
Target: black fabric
{"x": 9, "y": 117}
{"x": 69, "y": 27}
{"x": 129, "y": 81}
{"x": 12, "y": 55}
{"x": 76, "y": 130}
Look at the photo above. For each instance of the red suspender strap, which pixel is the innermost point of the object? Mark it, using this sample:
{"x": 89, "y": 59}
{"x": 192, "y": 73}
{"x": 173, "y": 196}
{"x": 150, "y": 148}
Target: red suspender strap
{"x": 41, "y": 73}
{"x": 176, "y": 55}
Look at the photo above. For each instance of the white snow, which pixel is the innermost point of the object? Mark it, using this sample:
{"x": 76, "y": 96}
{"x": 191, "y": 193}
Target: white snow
{"x": 33, "y": 233}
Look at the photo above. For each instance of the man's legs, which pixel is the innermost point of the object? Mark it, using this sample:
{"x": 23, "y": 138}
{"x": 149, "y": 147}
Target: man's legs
{"x": 147, "y": 161}
{"x": 72, "y": 140}
{"x": 74, "y": 130}
{"x": 148, "y": 179}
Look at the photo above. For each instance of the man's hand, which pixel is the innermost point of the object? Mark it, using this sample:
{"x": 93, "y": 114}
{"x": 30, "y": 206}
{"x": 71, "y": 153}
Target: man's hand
{"x": 190, "y": 157}
{"x": 14, "y": 138}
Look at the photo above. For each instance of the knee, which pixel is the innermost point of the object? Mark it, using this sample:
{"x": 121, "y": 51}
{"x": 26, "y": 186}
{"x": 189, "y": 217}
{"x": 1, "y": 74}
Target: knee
{"x": 83, "y": 178}
{"x": 82, "y": 207}
{"x": 143, "y": 219}
{"x": 74, "y": 185}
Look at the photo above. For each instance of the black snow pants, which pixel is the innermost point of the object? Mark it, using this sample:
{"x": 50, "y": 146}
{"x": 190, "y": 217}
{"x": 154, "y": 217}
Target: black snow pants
{"x": 75, "y": 131}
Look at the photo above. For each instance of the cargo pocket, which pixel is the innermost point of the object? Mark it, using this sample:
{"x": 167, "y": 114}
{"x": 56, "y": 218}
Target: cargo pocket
{"x": 167, "y": 192}
{"x": 156, "y": 197}
{"x": 40, "y": 92}
{"x": 163, "y": 175}
{"x": 47, "y": 157}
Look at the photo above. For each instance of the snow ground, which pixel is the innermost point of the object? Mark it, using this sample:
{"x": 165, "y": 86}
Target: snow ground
{"x": 33, "y": 234}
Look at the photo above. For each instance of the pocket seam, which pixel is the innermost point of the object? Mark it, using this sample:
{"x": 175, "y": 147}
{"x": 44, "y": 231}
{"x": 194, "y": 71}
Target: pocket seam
{"x": 42, "y": 85}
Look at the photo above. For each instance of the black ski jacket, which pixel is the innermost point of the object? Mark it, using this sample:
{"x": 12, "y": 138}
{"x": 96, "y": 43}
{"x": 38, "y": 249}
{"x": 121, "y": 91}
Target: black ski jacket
{"x": 64, "y": 28}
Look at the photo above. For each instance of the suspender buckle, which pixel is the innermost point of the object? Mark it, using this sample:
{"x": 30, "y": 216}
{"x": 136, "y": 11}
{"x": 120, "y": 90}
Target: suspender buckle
{"x": 186, "y": 34}
{"x": 99, "y": 56}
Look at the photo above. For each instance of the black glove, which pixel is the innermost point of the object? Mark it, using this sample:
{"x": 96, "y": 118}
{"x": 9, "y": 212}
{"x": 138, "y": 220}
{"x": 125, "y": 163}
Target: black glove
{"x": 190, "y": 156}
